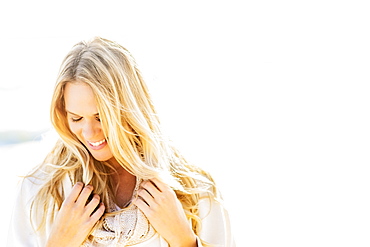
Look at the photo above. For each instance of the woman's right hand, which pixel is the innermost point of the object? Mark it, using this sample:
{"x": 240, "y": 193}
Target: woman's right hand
{"x": 76, "y": 217}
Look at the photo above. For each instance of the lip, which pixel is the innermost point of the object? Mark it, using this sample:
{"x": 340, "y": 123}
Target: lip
{"x": 101, "y": 146}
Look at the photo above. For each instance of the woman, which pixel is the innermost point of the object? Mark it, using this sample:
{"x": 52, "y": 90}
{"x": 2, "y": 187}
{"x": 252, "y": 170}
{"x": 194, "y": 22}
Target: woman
{"x": 113, "y": 179}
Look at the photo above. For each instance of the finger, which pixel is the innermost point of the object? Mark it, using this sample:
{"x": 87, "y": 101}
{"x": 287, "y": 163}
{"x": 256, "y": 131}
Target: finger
{"x": 144, "y": 195}
{"x": 142, "y": 205}
{"x": 93, "y": 204}
{"x": 75, "y": 192}
{"x": 165, "y": 193}
{"x": 95, "y": 216}
{"x": 159, "y": 184}
{"x": 85, "y": 193}
{"x": 151, "y": 188}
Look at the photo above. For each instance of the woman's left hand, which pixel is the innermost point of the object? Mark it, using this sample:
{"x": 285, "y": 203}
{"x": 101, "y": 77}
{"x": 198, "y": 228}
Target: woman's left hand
{"x": 165, "y": 213}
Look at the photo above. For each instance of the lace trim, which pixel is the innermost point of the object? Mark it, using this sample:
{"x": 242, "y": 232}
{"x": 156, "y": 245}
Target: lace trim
{"x": 128, "y": 227}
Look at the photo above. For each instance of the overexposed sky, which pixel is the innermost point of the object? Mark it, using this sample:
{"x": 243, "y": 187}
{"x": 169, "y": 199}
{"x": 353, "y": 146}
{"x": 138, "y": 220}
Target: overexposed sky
{"x": 272, "y": 96}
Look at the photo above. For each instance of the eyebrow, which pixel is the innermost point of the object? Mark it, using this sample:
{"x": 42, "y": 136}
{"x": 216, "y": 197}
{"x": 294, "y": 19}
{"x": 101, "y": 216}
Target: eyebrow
{"x": 96, "y": 114}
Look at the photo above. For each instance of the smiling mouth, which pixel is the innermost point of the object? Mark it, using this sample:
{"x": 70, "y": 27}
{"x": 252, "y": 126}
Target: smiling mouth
{"x": 96, "y": 144}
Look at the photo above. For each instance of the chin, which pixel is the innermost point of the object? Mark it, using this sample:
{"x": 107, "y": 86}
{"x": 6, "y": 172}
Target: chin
{"x": 102, "y": 154}
{"x": 102, "y": 158}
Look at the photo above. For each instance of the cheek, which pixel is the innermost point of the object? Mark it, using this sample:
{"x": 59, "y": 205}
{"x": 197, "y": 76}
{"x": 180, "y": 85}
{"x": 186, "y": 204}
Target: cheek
{"x": 75, "y": 129}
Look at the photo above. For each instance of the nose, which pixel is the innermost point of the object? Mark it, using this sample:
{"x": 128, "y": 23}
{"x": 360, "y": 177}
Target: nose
{"x": 91, "y": 129}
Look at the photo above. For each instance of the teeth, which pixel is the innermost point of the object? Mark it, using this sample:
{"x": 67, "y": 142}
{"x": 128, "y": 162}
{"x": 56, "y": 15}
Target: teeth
{"x": 95, "y": 144}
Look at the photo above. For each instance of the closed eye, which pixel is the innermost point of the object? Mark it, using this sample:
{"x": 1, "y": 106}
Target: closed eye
{"x": 76, "y": 119}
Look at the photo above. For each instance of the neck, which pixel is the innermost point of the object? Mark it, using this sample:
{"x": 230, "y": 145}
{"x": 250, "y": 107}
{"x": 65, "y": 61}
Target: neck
{"x": 116, "y": 166}
{"x": 119, "y": 172}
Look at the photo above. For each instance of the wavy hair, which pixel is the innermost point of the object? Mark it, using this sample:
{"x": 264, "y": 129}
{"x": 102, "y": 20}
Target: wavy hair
{"x": 131, "y": 125}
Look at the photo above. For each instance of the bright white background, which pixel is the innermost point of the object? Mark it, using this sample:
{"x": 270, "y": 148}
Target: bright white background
{"x": 271, "y": 97}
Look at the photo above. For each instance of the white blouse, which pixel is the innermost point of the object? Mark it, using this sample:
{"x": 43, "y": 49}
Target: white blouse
{"x": 215, "y": 224}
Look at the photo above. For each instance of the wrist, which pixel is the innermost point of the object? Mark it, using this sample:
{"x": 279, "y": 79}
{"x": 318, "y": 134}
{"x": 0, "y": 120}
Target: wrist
{"x": 190, "y": 241}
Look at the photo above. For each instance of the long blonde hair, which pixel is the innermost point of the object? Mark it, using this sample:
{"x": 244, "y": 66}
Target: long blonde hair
{"x": 131, "y": 125}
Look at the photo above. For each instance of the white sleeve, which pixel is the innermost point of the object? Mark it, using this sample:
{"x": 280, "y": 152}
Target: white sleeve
{"x": 21, "y": 233}
{"x": 216, "y": 229}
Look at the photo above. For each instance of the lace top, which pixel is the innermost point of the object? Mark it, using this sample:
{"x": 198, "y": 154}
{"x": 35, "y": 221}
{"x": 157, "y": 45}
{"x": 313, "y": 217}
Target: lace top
{"x": 128, "y": 227}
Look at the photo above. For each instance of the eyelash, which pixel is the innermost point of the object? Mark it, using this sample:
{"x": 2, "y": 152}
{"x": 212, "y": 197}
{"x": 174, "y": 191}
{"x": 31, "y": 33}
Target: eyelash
{"x": 78, "y": 119}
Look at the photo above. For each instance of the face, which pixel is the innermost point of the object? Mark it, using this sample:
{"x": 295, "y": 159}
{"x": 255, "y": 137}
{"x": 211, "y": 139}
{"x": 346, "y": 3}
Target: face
{"x": 84, "y": 121}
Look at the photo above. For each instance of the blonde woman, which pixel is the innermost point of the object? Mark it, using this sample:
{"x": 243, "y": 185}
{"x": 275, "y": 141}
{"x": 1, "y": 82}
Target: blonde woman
{"x": 113, "y": 179}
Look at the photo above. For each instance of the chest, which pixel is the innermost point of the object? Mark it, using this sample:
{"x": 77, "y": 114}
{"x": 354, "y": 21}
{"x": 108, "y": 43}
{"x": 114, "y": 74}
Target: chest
{"x": 124, "y": 191}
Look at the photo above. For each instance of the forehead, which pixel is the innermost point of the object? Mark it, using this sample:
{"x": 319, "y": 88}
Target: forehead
{"x": 79, "y": 98}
